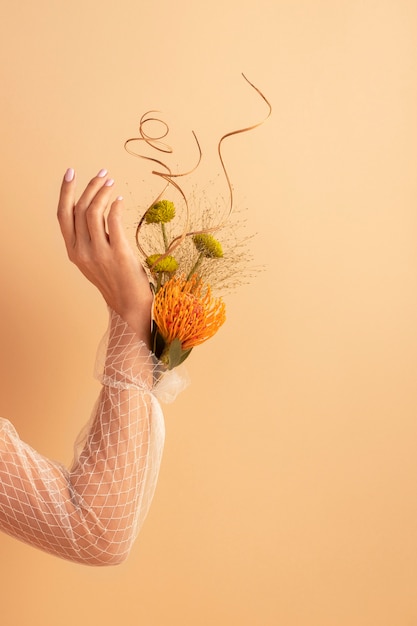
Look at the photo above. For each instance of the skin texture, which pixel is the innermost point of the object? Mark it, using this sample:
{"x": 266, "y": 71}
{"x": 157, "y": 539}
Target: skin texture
{"x": 102, "y": 253}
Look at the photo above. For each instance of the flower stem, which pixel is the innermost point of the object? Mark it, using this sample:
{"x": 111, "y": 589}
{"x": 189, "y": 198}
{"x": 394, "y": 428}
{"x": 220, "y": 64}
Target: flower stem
{"x": 196, "y": 265}
{"x": 164, "y": 235}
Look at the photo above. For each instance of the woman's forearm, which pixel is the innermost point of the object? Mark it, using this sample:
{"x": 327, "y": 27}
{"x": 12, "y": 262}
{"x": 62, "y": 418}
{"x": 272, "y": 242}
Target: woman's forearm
{"x": 92, "y": 512}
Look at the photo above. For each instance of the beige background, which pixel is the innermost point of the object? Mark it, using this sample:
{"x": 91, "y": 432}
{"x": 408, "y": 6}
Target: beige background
{"x": 287, "y": 494}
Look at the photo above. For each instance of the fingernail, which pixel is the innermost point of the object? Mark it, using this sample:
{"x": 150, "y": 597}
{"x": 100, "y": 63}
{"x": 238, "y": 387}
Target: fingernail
{"x": 102, "y": 173}
{"x": 109, "y": 182}
{"x": 69, "y": 175}
{"x": 119, "y": 198}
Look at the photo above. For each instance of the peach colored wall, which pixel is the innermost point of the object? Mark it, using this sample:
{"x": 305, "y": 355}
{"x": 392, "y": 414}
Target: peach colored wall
{"x": 288, "y": 489}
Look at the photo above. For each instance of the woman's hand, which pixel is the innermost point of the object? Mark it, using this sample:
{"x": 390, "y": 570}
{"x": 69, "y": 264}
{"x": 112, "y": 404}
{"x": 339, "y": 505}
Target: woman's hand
{"x": 104, "y": 255}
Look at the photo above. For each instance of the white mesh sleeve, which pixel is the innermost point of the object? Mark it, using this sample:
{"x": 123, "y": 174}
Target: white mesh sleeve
{"x": 92, "y": 512}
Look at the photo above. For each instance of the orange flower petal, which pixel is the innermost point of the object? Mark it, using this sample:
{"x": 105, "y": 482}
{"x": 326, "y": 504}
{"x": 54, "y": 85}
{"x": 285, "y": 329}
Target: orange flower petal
{"x": 186, "y": 310}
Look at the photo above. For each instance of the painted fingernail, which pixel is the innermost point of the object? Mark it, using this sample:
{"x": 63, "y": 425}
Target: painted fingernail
{"x": 69, "y": 175}
{"x": 102, "y": 173}
{"x": 109, "y": 182}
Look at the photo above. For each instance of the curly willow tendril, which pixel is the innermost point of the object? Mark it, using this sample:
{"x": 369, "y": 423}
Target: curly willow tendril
{"x": 156, "y": 141}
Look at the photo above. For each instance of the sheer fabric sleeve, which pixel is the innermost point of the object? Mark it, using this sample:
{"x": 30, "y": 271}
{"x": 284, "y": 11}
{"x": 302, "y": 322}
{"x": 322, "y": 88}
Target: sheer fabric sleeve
{"x": 92, "y": 512}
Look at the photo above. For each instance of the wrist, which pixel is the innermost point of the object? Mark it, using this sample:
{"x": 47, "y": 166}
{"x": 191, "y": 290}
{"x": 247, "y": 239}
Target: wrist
{"x": 139, "y": 319}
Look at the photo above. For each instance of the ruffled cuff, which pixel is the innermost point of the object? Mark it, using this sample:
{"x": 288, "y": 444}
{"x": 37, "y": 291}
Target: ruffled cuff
{"x": 125, "y": 362}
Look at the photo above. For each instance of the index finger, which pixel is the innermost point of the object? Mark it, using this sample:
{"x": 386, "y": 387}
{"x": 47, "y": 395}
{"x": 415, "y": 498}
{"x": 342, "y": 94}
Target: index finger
{"x": 66, "y": 203}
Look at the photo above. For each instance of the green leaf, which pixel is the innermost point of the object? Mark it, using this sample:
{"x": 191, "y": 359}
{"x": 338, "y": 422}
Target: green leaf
{"x": 185, "y": 354}
{"x": 176, "y": 354}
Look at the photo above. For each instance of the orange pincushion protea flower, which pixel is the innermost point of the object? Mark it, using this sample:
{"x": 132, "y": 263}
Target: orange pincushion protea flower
{"x": 186, "y": 311}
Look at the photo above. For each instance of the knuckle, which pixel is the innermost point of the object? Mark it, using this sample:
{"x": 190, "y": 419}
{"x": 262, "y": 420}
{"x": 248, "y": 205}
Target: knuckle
{"x": 79, "y": 256}
{"x": 93, "y": 211}
{"x": 78, "y": 208}
{"x": 114, "y": 218}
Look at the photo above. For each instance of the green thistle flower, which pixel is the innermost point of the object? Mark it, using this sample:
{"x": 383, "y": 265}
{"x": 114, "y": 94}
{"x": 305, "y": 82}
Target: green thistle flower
{"x": 208, "y": 246}
{"x": 162, "y": 211}
{"x": 167, "y": 264}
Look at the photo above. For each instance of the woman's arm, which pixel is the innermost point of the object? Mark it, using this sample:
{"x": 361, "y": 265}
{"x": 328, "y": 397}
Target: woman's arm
{"x": 92, "y": 512}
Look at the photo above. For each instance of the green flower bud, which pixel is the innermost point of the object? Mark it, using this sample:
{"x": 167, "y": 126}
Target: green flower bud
{"x": 208, "y": 246}
{"x": 162, "y": 211}
{"x": 168, "y": 264}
